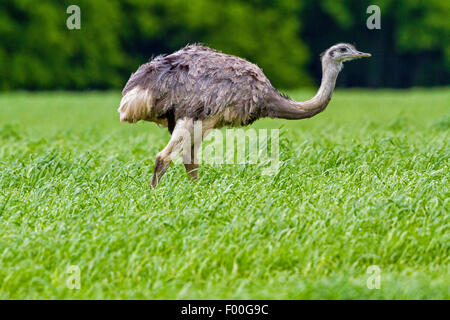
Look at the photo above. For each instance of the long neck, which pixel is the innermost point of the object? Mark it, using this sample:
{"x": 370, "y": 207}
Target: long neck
{"x": 285, "y": 108}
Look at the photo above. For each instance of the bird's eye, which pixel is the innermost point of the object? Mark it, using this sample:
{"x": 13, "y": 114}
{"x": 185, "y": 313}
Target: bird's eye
{"x": 343, "y": 49}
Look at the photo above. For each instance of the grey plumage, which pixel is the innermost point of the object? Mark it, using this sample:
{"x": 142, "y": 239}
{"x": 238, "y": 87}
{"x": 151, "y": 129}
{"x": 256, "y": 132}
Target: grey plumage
{"x": 199, "y": 82}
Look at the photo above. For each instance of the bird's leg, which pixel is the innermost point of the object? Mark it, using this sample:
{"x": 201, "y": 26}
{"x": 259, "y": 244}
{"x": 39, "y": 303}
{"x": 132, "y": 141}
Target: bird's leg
{"x": 190, "y": 163}
{"x": 190, "y": 159}
{"x": 180, "y": 137}
{"x": 199, "y": 131}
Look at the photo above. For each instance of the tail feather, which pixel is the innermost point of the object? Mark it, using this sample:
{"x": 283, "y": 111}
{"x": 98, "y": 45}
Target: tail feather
{"x": 136, "y": 105}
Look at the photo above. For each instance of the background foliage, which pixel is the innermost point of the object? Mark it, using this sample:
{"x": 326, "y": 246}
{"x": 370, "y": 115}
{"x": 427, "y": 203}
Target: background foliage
{"x": 284, "y": 37}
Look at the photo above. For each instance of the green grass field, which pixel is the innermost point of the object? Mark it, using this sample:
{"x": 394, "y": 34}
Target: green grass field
{"x": 364, "y": 183}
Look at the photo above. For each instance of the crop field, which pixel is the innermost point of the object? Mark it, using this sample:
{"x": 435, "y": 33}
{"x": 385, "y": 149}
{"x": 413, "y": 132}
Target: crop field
{"x": 362, "y": 186}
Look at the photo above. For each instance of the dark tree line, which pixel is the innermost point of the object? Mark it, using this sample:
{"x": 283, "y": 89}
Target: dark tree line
{"x": 284, "y": 37}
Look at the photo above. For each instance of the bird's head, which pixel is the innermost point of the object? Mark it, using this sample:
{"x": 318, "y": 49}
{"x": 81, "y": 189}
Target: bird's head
{"x": 342, "y": 52}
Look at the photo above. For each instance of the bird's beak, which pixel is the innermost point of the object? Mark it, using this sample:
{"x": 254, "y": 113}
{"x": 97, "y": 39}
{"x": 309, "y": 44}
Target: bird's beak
{"x": 363, "y": 54}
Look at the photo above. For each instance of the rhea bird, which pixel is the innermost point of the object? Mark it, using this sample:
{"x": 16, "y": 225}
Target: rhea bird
{"x": 198, "y": 84}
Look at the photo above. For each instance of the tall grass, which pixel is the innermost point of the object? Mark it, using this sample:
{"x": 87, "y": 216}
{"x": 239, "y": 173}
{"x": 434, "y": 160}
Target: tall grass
{"x": 364, "y": 183}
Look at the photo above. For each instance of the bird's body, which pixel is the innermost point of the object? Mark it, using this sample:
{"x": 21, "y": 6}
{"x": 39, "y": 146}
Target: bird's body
{"x": 201, "y": 85}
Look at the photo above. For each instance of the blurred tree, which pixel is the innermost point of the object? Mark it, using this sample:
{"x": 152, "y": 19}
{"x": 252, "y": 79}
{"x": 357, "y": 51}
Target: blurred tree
{"x": 261, "y": 31}
{"x": 411, "y": 48}
{"x": 38, "y": 51}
